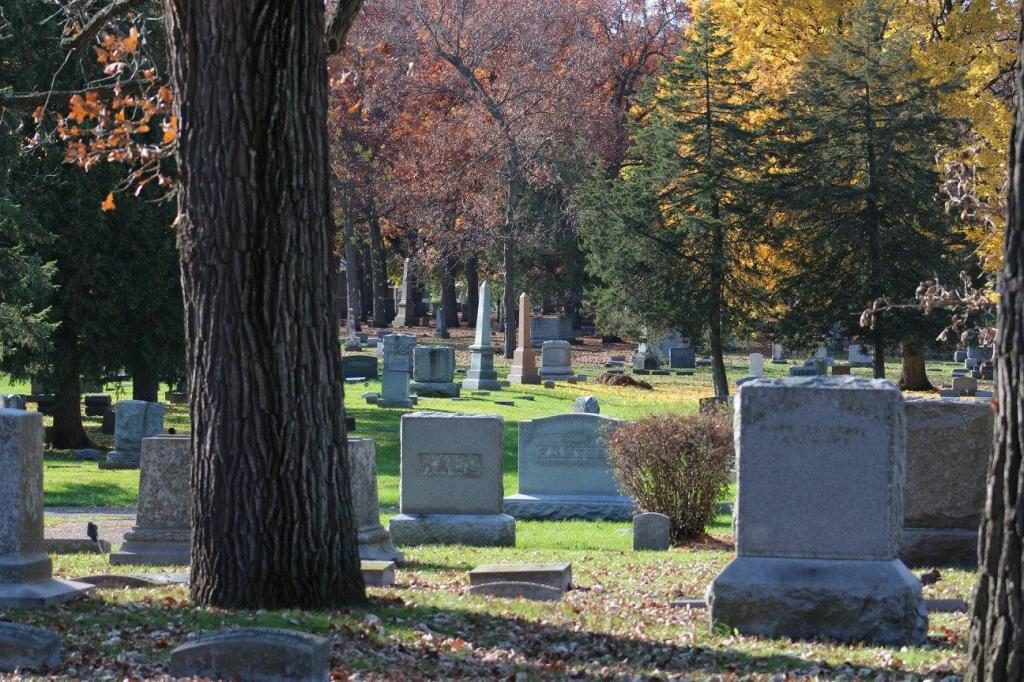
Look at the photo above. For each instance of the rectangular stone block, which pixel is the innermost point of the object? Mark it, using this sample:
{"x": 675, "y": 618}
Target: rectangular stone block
{"x": 363, "y": 366}
{"x": 557, "y": 575}
{"x": 451, "y": 463}
{"x": 566, "y": 455}
{"x": 433, "y": 364}
{"x": 820, "y": 468}
{"x": 378, "y": 573}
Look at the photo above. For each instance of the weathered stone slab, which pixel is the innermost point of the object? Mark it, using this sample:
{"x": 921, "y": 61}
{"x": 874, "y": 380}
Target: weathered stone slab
{"x": 564, "y": 470}
{"x": 28, "y": 647}
{"x": 821, "y": 563}
{"x": 256, "y": 655}
{"x": 374, "y": 540}
{"x": 556, "y": 575}
{"x": 556, "y": 360}
{"x": 25, "y": 567}
{"x": 965, "y": 385}
{"x": 517, "y": 590}
{"x": 378, "y": 573}
{"x": 550, "y": 329}
{"x": 756, "y": 361}
{"x": 841, "y": 370}
{"x": 476, "y": 530}
{"x": 75, "y": 546}
{"x": 949, "y": 443}
{"x": 682, "y": 358}
{"x": 361, "y": 366}
{"x": 398, "y": 349}
{"x": 135, "y": 420}
{"x": 118, "y": 581}
{"x": 586, "y": 404}
{"x": 651, "y": 532}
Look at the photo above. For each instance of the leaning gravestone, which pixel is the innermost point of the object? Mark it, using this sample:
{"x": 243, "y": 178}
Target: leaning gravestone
{"x": 819, "y": 515}
{"x": 481, "y": 375}
{"x": 433, "y": 371}
{"x": 163, "y": 527}
{"x": 134, "y": 420}
{"x": 27, "y": 646}
{"x": 254, "y": 655}
{"x": 374, "y": 539}
{"x": 451, "y": 481}
{"x": 564, "y": 472}
{"x": 397, "y": 366}
{"x": 556, "y": 360}
{"x": 25, "y": 568}
{"x": 949, "y": 443}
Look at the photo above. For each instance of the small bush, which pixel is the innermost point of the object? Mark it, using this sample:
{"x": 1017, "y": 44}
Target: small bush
{"x": 675, "y": 465}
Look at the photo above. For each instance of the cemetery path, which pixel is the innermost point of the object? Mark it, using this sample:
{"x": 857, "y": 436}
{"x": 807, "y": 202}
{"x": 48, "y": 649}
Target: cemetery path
{"x": 70, "y": 522}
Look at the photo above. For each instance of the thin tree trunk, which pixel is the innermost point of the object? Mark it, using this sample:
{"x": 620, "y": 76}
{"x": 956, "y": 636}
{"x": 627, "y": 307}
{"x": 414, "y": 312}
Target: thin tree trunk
{"x": 472, "y": 291}
{"x": 352, "y": 297}
{"x": 449, "y": 298}
{"x": 508, "y": 294}
{"x": 272, "y": 521}
{"x": 995, "y": 651}
{"x": 365, "y": 284}
{"x": 67, "y": 431}
{"x": 145, "y": 385}
{"x": 874, "y": 236}
{"x": 913, "y": 375}
{"x": 716, "y": 305}
{"x": 382, "y": 312}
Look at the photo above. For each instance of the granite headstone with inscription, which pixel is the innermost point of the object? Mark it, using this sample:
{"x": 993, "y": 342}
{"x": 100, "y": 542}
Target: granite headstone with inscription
{"x": 564, "y": 472}
{"x": 819, "y": 515}
{"x": 433, "y": 371}
{"x": 451, "y": 481}
{"x": 556, "y": 360}
{"x": 398, "y": 350}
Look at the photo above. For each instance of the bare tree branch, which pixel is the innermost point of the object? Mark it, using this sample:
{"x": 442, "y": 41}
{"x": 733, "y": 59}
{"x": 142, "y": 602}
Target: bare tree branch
{"x": 340, "y": 15}
{"x": 93, "y": 26}
{"x": 31, "y": 100}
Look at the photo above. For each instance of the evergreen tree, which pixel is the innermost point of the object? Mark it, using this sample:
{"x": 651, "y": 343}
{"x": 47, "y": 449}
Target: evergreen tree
{"x": 677, "y": 230}
{"x": 859, "y": 181}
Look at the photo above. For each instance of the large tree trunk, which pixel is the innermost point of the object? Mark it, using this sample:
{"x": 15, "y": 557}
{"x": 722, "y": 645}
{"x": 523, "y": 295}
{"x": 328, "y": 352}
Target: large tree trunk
{"x": 996, "y": 647}
{"x": 472, "y": 291}
{"x": 449, "y": 297}
{"x": 382, "y": 312}
{"x": 913, "y": 376}
{"x": 67, "y": 431}
{"x": 145, "y": 384}
{"x": 508, "y": 294}
{"x": 272, "y": 521}
{"x": 365, "y": 284}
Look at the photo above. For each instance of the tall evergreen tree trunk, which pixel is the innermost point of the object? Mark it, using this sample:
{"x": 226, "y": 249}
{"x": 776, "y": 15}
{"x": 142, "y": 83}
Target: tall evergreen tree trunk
{"x": 472, "y": 291}
{"x": 913, "y": 376}
{"x": 67, "y": 431}
{"x": 874, "y": 229}
{"x": 272, "y": 521}
{"x": 145, "y": 384}
{"x": 378, "y": 273}
{"x": 508, "y": 294}
{"x": 449, "y": 297}
{"x": 716, "y": 305}
{"x": 996, "y": 646}
{"x": 365, "y": 284}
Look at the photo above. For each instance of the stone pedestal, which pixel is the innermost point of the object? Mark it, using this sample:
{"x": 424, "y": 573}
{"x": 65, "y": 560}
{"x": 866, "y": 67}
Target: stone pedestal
{"x": 564, "y": 471}
{"x": 374, "y": 539}
{"x": 433, "y": 371}
{"x": 821, "y": 563}
{"x": 135, "y": 420}
{"x": 451, "y": 481}
{"x": 556, "y": 360}
{"x": 26, "y": 572}
{"x": 398, "y": 349}
{"x": 524, "y": 363}
{"x": 481, "y": 375}
{"x": 163, "y": 528}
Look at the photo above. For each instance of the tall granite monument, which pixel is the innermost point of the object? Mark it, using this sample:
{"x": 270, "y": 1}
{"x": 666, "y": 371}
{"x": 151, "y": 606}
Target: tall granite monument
{"x": 524, "y": 362}
{"x": 481, "y": 374}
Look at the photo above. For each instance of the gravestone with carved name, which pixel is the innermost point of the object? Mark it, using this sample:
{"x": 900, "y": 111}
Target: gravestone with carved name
{"x": 397, "y": 368}
{"x": 433, "y": 371}
{"x": 450, "y": 490}
{"x": 564, "y": 471}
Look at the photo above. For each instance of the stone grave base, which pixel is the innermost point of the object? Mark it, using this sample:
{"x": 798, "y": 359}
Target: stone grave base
{"x": 156, "y": 548}
{"x": 433, "y": 389}
{"x": 589, "y": 507}
{"x": 939, "y": 547}
{"x": 556, "y": 373}
{"x": 846, "y": 600}
{"x": 39, "y": 593}
{"x": 482, "y": 384}
{"x": 119, "y": 464}
{"x": 375, "y": 545}
{"x": 408, "y": 402}
{"x": 476, "y": 530}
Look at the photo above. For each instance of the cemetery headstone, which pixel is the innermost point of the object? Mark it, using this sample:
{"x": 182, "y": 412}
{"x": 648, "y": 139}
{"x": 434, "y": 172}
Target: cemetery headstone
{"x": 405, "y": 312}
{"x": 163, "y": 526}
{"x": 822, "y": 563}
{"x": 441, "y": 326}
{"x": 544, "y": 328}
{"x": 12, "y": 401}
{"x": 27, "y": 647}
{"x": 960, "y": 355}
{"x": 663, "y": 347}
{"x": 645, "y": 358}
{"x": 949, "y": 443}
{"x": 556, "y": 574}
{"x": 682, "y": 358}
{"x": 651, "y": 532}
{"x": 451, "y": 481}
{"x": 556, "y": 360}
{"x": 861, "y": 355}
{"x": 25, "y": 568}
{"x": 135, "y": 420}
{"x": 841, "y": 370}
{"x": 398, "y": 349}
{"x": 433, "y": 371}
{"x": 481, "y": 374}
{"x": 374, "y": 539}
{"x": 803, "y": 371}
{"x": 586, "y": 404}
{"x": 359, "y": 366}
{"x": 756, "y": 361}
{"x": 517, "y": 590}
{"x": 378, "y": 573}
{"x": 564, "y": 472}
{"x": 965, "y": 385}
{"x": 778, "y": 354}
{"x": 254, "y": 655}
{"x": 96, "y": 405}
{"x": 524, "y": 362}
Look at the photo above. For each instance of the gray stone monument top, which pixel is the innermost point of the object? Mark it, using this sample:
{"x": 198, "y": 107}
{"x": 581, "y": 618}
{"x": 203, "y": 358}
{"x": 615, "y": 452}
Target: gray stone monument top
{"x": 135, "y": 420}
{"x": 556, "y": 360}
{"x": 651, "y": 532}
{"x": 433, "y": 364}
{"x": 566, "y": 454}
{"x": 482, "y": 336}
{"x": 821, "y": 438}
{"x": 256, "y": 655}
{"x": 27, "y": 646}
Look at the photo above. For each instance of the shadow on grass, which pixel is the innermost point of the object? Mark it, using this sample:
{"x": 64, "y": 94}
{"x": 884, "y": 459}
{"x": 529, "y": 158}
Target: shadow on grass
{"x": 94, "y": 494}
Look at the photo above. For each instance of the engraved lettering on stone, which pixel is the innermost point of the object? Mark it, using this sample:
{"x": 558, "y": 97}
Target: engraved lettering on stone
{"x": 455, "y": 464}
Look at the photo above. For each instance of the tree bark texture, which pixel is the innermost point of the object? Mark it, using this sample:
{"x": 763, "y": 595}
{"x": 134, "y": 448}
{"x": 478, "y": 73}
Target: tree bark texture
{"x": 145, "y": 384}
{"x": 472, "y": 291}
{"x": 382, "y": 312}
{"x": 272, "y": 512}
{"x": 67, "y": 431}
{"x": 913, "y": 376}
{"x": 449, "y": 297}
{"x": 365, "y": 284}
{"x": 996, "y": 646}
{"x": 352, "y": 293}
